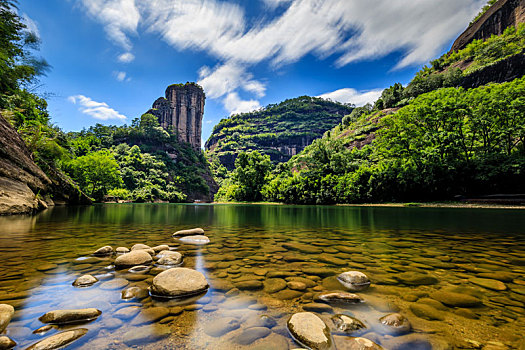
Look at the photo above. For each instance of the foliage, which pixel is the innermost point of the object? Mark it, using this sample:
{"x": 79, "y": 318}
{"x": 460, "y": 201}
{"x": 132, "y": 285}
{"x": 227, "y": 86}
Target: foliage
{"x": 444, "y": 143}
{"x": 483, "y": 10}
{"x": 248, "y": 178}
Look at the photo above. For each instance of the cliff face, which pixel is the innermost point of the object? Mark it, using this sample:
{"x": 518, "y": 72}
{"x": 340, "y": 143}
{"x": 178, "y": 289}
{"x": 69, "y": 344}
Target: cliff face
{"x": 24, "y": 187}
{"x": 181, "y": 111}
{"x": 501, "y": 15}
{"x": 502, "y": 71}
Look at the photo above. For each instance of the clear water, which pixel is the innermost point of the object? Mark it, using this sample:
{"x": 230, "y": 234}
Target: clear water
{"x": 41, "y": 256}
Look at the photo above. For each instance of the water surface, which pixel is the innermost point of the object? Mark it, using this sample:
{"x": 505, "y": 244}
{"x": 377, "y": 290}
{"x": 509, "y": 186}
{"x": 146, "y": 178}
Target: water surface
{"x": 254, "y": 249}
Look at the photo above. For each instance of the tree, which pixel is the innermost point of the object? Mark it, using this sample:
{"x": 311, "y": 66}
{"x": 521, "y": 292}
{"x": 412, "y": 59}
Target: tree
{"x": 96, "y": 173}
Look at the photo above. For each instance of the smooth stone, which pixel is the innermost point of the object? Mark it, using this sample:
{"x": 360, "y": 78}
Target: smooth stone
{"x": 467, "y": 313}
{"x": 250, "y": 335}
{"x": 176, "y": 310}
{"x": 150, "y": 315}
{"x": 6, "y": 313}
{"x": 210, "y": 308}
{"x": 317, "y": 307}
{"x": 122, "y": 250}
{"x": 261, "y": 321}
{"x": 140, "y": 246}
{"x": 142, "y": 269}
{"x": 347, "y": 324}
{"x": 179, "y": 282}
{"x": 279, "y": 274}
{"x": 351, "y": 343}
{"x": 434, "y": 303}
{"x": 70, "y": 316}
{"x": 133, "y": 258}
{"x": 287, "y": 294}
{"x": 46, "y": 267}
{"x": 172, "y": 259}
{"x": 488, "y": 283}
{"x": 502, "y": 276}
{"x": 295, "y": 285}
{"x": 416, "y": 278}
{"x": 308, "y": 282}
{"x": 455, "y": 299}
{"x": 309, "y": 331}
{"x": 59, "y": 340}
{"x": 145, "y": 334}
{"x": 134, "y": 292}
{"x": 427, "y": 312}
{"x": 332, "y": 260}
{"x": 221, "y": 326}
{"x": 117, "y": 283}
{"x": 190, "y": 232}
{"x": 6, "y": 343}
{"x": 395, "y": 324}
{"x": 85, "y": 281}
{"x": 127, "y": 312}
{"x": 43, "y": 329}
{"x": 103, "y": 251}
{"x": 249, "y": 285}
{"x": 273, "y": 285}
{"x": 199, "y": 239}
{"x": 354, "y": 280}
{"x": 319, "y": 271}
{"x": 304, "y": 248}
{"x": 160, "y": 248}
{"x": 339, "y": 297}
{"x": 381, "y": 304}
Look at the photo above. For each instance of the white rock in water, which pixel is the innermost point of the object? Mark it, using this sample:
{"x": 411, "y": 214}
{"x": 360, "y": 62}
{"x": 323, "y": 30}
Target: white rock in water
{"x": 199, "y": 239}
{"x": 354, "y": 280}
{"x": 6, "y": 313}
{"x": 59, "y": 340}
{"x": 179, "y": 282}
{"x": 85, "y": 281}
{"x": 310, "y": 331}
{"x": 133, "y": 258}
{"x": 193, "y": 231}
{"x": 106, "y": 250}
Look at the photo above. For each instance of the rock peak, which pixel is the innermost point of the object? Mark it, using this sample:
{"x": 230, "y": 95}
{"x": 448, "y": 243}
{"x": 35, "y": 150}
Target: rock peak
{"x": 181, "y": 112}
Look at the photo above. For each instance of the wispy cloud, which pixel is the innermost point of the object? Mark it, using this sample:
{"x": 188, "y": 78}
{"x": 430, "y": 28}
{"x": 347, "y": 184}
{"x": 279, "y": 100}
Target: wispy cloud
{"x": 97, "y": 110}
{"x": 30, "y": 24}
{"x": 342, "y": 31}
{"x": 126, "y": 57}
{"x": 349, "y": 95}
{"x": 121, "y": 76}
{"x": 234, "y": 104}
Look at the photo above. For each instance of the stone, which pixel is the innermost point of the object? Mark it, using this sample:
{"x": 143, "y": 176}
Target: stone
{"x": 332, "y": 260}
{"x": 172, "y": 259}
{"x": 354, "y": 280}
{"x": 59, "y": 340}
{"x": 117, "y": 283}
{"x": 427, "y": 312}
{"x": 46, "y": 267}
{"x": 6, "y": 313}
{"x": 221, "y": 326}
{"x": 104, "y": 251}
{"x": 127, "y": 312}
{"x": 122, "y": 250}
{"x": 249, "y": 335}
{"x": 488, "y": 283}
{"x": 160, "y": 248}
{"x": 179, "y": 282}
{"x": 134, "y": 293}
{"x": 85, "y": 281}
{"x": 319, "y": 271}
{"x": 150, "y": 315}
{"x": 502, "y": 276}
{"x": 133, "y": 258}
{"x": 417, "y": 341}
{"x": 309, "y": 331}
{"x": 42, "y": 329}
{"x": 395, "y": 324}
{"x": 352, "y": 343}
{"x": 317, "y": 307}
{"x": 190, "y": 232}
{"x": 140, "y": 246}
{"x": 176, "y": 310}
{"x": 347, "y": 324}
{"x": 6, "y": 343}
{"x": 287, "y": 294}
{"x": 308, "y": 282}
{"x": 70, "y": 316}
{"x": 455, "y": 299}
{"x": 140, "y": 269}
{"x": 273, "y": 285}
{"x": 338, "y": 297}
{"x": 261, "y": 321}
{"x": 198, "y": 239}
{"x": 295, "y": 285}
{"x": 249, "y": 285}
{"x": 434, "y": 303}
{"x": 411, "y": 278}
{"x": 145, "y": 334}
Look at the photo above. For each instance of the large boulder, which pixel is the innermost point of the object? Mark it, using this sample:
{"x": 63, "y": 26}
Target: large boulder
{"x": 310, "y": 331}
{"x": 179, "y": 282}
{"x": 59, "y": 340}
{"x": 6, "y": 313}
{"x": 133, "y": 258}
{"x": 70, "y": 316}
{"x": 354, "y": 280}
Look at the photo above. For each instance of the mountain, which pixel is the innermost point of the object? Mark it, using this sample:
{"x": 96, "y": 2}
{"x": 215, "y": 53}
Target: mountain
{"x": 279, "y": 130}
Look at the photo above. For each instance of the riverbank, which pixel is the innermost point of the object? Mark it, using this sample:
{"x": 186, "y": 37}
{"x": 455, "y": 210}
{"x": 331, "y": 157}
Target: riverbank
{"x": 398, "y": 205}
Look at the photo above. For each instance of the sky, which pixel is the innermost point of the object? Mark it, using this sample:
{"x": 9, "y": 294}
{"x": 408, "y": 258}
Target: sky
{"x": 110, "y": 59}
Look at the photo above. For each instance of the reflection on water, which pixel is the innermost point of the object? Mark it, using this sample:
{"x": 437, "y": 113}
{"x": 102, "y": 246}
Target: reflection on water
{"x": 265, "y": 263}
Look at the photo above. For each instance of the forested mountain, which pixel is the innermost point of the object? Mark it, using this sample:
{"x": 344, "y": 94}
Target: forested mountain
{"x": 457, "y": 129}
{"x": 279, "y": 131}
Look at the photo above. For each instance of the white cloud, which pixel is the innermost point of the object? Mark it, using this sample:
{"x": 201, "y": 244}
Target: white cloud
{"x": 119, "y": 18}
{"x": 276, "y": 3}
{"x": 234, "y": 104}
{"x": 228, "y": 77}
{"x": 121, "y": 76}
{"x": 209, "y": 121}
{"x": 349, "y": 95}
{"x": 30, "y": 24}
{"x": 97, "y": 110}
{"x": 126, "y": 57}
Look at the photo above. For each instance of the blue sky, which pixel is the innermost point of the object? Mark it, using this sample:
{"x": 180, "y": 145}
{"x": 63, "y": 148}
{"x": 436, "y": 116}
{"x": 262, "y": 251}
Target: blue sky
{"x": 112, "y": 58}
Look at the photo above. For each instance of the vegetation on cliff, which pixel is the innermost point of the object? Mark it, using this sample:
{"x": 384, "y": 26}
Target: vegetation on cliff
{"x": 278, "y": 130}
